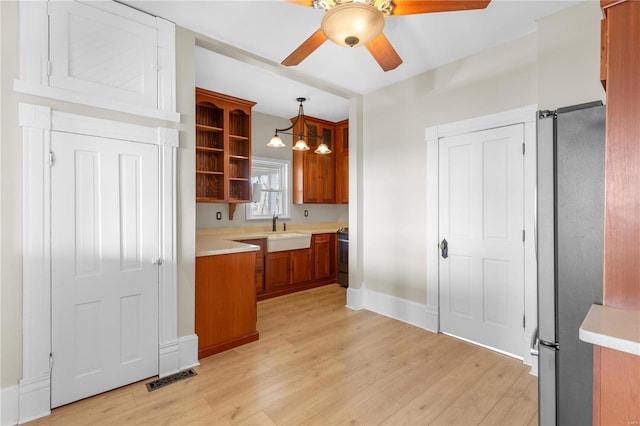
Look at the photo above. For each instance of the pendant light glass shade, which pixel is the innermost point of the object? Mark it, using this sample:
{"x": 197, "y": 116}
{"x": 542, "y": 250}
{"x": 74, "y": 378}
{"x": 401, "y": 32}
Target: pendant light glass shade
{"x": 275, "y": 142}
{"x": 301, "y": 145}
{"x": 322, "y": 149}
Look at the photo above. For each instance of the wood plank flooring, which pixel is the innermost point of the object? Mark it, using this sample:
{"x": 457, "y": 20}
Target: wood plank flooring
{"x": 319, "y": 363}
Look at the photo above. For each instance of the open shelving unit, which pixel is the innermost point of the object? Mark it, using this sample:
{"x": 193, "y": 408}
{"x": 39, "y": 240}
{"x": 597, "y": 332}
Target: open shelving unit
{"x": 223, "y": 149}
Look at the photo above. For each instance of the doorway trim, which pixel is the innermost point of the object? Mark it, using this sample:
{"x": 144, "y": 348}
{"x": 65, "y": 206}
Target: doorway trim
{"x": 37, "y": 123}
{"x": 526, "y": 116}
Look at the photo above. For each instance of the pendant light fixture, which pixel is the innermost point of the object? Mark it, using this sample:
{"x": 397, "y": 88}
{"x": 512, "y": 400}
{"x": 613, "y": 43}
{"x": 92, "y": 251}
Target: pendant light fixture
{"x": 301, "y": 144}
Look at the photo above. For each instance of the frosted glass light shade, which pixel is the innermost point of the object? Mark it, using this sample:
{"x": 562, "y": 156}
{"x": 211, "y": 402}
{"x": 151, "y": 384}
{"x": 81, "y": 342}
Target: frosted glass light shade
{"x": 275, "y": 142}
{"x": 322, "y": 149}
{"x": 352, "y": 24}
{"x": 301, "y": 145}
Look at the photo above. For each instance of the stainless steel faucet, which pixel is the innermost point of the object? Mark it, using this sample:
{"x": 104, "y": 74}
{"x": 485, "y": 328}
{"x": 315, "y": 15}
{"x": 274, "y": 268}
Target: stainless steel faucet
{"x": 273, "y": 222}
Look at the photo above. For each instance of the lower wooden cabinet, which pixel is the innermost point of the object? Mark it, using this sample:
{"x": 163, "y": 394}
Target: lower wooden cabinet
{"x": 225, "y": 308}
{"x": 295, "y": 270}
{"x": 262, "y": 243}
{"x": 324, "y": 256}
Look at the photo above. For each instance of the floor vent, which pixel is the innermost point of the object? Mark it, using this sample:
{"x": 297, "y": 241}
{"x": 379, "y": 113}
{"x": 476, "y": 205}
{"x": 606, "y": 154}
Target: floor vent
{"x": 157, "y": 384}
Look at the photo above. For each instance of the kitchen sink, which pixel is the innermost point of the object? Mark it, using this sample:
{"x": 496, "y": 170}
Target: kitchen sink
{"x": 281, "y": 241}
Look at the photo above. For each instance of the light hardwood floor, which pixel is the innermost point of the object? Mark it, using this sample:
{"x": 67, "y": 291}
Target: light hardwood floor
{"x": 319, "y": 363}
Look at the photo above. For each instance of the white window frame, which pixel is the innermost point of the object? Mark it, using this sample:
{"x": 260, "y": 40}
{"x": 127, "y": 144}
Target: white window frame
{"x": 282, "y": 167}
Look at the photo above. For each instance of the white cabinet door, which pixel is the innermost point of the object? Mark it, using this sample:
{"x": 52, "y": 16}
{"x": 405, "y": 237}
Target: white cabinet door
{"x": 99, "y": 53}
{"x": 481, "y": 196}
{"x": 104, "y": 235}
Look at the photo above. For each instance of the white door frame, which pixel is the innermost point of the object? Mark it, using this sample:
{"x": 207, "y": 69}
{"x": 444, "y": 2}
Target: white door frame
{"x": 37, "y": 123}
{"x": 527, "y": 116}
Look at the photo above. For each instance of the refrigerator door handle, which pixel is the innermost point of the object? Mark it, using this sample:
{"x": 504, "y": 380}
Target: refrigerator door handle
{"x": 535, "y": 341}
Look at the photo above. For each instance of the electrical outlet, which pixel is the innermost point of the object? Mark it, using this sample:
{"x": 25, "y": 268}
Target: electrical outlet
{"x": 219, "y": 215}
{"x": 306, "y": 213}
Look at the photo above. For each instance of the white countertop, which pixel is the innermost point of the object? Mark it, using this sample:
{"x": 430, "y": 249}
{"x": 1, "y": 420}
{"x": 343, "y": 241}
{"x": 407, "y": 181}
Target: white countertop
{"x": 613, "y": 328}
{"x": 213, "y": 246}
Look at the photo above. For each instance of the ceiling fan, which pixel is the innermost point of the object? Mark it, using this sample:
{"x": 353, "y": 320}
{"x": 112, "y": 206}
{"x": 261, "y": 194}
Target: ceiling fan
{"x": 355, "y": 23}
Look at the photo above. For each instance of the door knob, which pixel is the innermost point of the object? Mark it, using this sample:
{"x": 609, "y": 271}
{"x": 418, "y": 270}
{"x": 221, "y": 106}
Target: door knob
{"x": 444, "y": 246}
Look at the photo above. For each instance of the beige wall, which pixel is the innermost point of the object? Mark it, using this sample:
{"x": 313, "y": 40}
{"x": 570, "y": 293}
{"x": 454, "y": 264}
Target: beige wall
{"x": 11, "y": 187}
{"x": 503, "y": 78}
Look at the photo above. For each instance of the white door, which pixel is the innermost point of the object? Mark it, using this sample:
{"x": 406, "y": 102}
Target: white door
{"x": 481, "y": 196}
{"x": 104, "y": 286}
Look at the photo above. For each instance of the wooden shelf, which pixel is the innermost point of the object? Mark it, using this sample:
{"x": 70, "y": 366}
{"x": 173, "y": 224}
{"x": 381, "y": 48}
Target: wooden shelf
{"x": 243, "y": 138}
{"x": 239, "y": 179}
{"x": 205, "y": 128}
{"x": 204, "y": 148}
{"x": 207, "y": 172}
{"x": 239, "y": 157}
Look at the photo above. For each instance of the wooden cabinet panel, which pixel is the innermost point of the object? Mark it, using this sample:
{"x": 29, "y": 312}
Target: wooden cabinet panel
{"x": 342, "y": 162}
{"x": 300, "y": 266}
{"x": 225, "y": 302}
{"x": 322, "y": 255}
{"x": 277, "y": 268}
{"x": 260, "y": 242}
{"x": 616, "y": 392}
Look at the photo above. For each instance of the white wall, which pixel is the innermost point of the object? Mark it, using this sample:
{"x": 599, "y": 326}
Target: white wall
{"x": 262, "y": 128}
{"x": 393, "y": 245}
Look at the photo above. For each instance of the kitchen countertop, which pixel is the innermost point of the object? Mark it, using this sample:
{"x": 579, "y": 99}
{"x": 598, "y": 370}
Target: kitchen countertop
{"x": 613, "y": 328}
{"x": 217, "y": 241}
{"x": 213, "y": 246}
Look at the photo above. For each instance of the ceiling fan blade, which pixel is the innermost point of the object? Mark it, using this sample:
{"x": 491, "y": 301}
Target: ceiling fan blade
{"x": 308, "y": 3}
{"x": 384, "y": 53}
{"x": 305, "y": 49}
{"x": 412, "y": 7}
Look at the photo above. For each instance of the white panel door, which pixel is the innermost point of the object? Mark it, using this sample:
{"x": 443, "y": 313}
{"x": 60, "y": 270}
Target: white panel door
{"x": 481, "y": 196}
{"x": 104, "y": 236}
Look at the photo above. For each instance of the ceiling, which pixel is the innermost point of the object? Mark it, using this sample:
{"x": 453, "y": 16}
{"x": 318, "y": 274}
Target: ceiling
{"x": 244, "y": 42}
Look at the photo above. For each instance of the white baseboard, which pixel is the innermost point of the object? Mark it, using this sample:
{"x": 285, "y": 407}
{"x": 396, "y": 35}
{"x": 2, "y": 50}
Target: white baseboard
{"x": 394, "y": 307}
{"x": 354, "y": 298}
{"x": 34, "y": 398}
{"x": 178, "y": 355}
{"x": 9, "y": 408}
{"x": 188, "y": 351}
{"x": 413, "y": 313}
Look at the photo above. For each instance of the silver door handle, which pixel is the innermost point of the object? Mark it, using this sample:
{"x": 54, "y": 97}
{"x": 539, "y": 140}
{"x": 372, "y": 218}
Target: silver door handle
{"x": 535, "y": 341}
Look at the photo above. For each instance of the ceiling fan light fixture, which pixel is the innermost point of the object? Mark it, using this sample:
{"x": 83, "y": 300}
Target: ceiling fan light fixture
{"x": 352, "y": 24}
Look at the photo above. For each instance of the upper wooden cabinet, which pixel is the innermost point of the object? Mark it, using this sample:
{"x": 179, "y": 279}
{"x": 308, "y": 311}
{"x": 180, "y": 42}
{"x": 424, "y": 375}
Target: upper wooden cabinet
{"x": 315, "y": 176}
{"x": 342, "y": 162}
{"x": 223, "y": 148}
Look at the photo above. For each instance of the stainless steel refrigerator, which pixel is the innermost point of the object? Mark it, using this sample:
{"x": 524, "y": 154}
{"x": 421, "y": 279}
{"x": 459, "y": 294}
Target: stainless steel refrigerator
{"x": 570, "y": 228}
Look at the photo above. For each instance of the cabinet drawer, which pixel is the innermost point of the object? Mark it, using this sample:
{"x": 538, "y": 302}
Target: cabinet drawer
{"x": 322, "y": 238}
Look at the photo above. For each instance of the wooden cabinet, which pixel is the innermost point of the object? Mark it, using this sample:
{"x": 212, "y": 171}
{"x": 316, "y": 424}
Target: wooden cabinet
{"x": 315, "y": 176}
{"x": 223, "y": 148}
{"x": 295, "y": 270}
{"x": 616, "y": 390}
{"x": 286, "y": 268}
{"x": 324, "y": 256}
{"x": 225, "y": 308}
{"x": 342, "y": 162}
